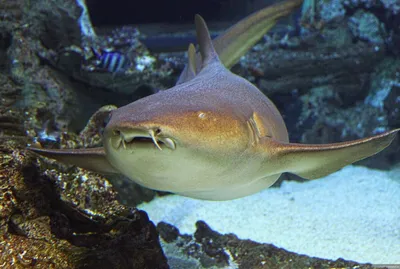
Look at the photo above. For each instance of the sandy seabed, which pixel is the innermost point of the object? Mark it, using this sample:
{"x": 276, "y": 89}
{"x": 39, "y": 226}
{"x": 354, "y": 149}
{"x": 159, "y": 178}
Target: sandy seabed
{"x": 352, "y": 214}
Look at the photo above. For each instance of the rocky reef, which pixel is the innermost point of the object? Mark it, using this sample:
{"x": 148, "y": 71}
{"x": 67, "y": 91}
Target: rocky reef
{"x": 209, "y": 249}
{"x": 58, "y": 217}
{"x": 53, "y": 216}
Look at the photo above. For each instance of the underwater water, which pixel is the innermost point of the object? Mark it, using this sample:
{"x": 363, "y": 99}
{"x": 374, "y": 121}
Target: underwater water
{"x": 122, "y": 146}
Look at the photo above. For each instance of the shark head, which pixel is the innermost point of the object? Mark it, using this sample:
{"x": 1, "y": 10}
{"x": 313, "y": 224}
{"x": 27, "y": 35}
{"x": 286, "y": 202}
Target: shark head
{"x": 163, "y": 145}
{"x": 179, "y": 139}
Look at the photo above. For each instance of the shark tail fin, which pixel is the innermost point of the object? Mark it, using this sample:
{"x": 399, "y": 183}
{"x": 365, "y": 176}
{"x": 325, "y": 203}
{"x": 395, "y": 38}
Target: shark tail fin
{"x": 238, "y": 39}
{"x": 93, "y": 159}
{"x": 207, "y": 51}
{"x": 315, "y": 161}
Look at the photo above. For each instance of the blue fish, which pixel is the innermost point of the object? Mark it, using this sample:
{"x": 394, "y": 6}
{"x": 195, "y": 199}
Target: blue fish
{"x": 112, "y": 61}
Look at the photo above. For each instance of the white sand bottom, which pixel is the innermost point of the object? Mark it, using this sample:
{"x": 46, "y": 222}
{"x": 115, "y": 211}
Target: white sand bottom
{"x": 352, "y": 214}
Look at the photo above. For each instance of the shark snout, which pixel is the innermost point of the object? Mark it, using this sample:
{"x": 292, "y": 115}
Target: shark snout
{"x": 126, "y": 137}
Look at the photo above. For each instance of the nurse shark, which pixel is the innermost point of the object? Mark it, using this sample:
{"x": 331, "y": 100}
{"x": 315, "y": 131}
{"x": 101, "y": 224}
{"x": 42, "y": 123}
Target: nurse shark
{"x": 214, "y": 135}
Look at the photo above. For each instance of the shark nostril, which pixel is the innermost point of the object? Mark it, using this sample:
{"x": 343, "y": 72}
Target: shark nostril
{"x": 117, "y": 132}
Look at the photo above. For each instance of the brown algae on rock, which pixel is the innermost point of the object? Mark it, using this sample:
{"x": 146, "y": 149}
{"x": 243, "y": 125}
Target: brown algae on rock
{"x": 68, "y": 219}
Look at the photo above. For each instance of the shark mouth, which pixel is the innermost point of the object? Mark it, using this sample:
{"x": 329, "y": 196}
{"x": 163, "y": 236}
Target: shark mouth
{"x": 153, "y": 136}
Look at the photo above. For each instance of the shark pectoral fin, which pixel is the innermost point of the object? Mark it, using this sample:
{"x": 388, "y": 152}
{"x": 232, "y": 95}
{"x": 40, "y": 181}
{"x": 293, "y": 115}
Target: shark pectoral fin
{"x": 315, "y": 161}
{"x": 93, "y": 159}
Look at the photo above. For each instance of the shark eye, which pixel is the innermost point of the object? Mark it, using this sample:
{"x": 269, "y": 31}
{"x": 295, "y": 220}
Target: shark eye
{"x": 117, "y": 132}
{"x": 157, "y": 131}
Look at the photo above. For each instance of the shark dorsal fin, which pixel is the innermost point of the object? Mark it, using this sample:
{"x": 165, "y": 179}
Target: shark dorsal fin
{"x": 190, "y": 70}
{"x": 207, "y": 51}
{"x": 192, "y": 59}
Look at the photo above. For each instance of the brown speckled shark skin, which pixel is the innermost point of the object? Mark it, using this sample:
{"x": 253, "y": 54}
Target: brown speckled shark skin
{"x": 215, "y": 136}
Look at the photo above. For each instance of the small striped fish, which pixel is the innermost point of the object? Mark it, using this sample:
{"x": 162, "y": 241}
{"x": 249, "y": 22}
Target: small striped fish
{"x": 112, "y": 61}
